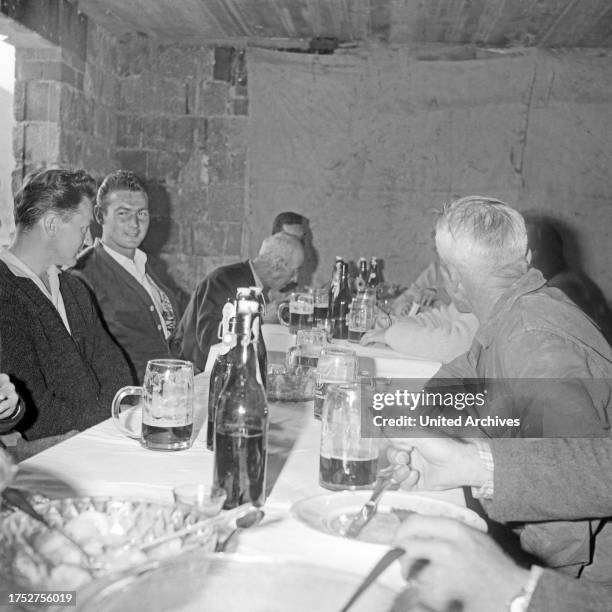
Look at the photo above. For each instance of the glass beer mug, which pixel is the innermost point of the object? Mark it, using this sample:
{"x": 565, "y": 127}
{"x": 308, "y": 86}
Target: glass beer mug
{"x": 301, "y": 312}
{"x": 166, "y": 419}
{"x": 347, "y": 461}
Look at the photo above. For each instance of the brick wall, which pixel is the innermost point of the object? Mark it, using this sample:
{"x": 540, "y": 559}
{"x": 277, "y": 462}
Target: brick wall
{"x": 64, "y": 100}
{"x": 181, "y": 123}
{"x": 175, "y": 115}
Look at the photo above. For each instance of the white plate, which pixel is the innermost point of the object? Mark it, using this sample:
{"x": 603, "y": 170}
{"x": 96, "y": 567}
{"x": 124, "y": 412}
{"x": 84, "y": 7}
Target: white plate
{"x": 330, "y": 513}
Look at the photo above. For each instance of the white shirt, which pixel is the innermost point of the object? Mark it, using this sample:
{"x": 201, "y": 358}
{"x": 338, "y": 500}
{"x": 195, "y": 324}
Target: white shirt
{"x": 18, "y": 268}
{"x": 136, "y": 267}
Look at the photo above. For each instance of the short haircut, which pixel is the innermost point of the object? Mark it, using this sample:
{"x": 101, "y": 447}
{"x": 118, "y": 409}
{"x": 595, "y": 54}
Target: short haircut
{"x": 119, "y": 180}
{"x": 481, "y": 232}
{"x": 286, "y": 218}
{"x": 281, "y": 249}
{"x": 55, "y": 190}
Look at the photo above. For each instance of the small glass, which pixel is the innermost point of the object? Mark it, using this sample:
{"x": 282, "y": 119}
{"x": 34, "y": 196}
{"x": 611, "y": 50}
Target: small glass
{"x": 321, "y": 305}
{"x": 199, "y": 499}
{"x": 336, "y": 365}
{"x": 347, "y": 461}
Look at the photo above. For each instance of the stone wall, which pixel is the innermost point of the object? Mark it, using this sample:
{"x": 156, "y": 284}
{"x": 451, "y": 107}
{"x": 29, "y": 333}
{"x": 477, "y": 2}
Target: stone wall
{"x": 181, "y": 123}
{"x": 65, "y": 93}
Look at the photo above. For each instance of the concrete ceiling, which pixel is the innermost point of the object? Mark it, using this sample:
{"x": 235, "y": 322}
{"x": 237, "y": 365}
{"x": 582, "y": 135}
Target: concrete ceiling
{"x": 497, "y": 23}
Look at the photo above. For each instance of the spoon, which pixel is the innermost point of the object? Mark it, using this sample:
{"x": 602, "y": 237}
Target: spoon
{"x": 250, "y": 519}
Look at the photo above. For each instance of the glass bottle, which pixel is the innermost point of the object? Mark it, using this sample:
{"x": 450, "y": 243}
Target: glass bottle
{"x": 374, "y": 277}
{"x": 339, "y": 305}
{"x": 241, "y": 421}
{"x": 262, "y": 353}
{"x": 218, "y": 376}
{"x": 361, "y": 282}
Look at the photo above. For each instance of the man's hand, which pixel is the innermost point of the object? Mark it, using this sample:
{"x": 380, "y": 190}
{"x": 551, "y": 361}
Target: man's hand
{"x": 8, "y": 397}
{"x": 423, "y": 298}
{"x": 463, "y": 566}
{"x": 373, "y": 336}
{"x": 435, "y": 464}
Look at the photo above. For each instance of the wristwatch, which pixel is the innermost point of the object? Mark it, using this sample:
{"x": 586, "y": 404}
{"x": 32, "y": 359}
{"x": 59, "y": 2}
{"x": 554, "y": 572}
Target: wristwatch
{"x": 520, "y": 603}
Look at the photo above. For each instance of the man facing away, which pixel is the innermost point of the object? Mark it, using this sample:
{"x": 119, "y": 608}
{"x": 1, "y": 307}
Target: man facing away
{"x": 527, "y": 331}
{"x": 139, "y": 312}
{"x": 278, "y": 262}
{"x": 62, "y": 362}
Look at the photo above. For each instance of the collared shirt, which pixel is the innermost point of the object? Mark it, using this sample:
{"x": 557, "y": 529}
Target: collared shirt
{"x": 19, "y": 268}
{"x": 137, "y": 268}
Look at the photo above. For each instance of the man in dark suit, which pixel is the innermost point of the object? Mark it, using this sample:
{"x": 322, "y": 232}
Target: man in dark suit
{"x": 139, "y": 312}
{"x": 62, "y": 362}
{"x": 277, "y": 263}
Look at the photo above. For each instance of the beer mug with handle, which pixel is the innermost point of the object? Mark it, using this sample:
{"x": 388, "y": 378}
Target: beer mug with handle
{"x": 164, "y": 418}
{"x": 301, "y": 312}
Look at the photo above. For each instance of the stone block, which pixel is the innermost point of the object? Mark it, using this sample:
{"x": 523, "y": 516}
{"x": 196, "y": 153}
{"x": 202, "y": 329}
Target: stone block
{"x": 189, "y": 201}
{"x": 233, "y": 239}
{"x": 224, "y": 57}
{"x": 133, "y": 55}
{"x": 76, "y": 111}
{"x": 18, "y": 139}
{"x": 45, "y": 71}
{"x": 19, "y": 101}
{"x": 42, "y": 101}
{"x": 241, "y": 106}
{"x": 227, "y": 133}
{"x": 226, "y": 202}
{"x": 213, "y": 99}
{"x": 129, "y": 131}
{"x": 72, "y": 29}
{"x": 165, "y": 165}
{"x": 72, "y": 148}
{"x": 133, "y": 159}
{"x": 172, "y": 237}
{"x": 42, "y": 142}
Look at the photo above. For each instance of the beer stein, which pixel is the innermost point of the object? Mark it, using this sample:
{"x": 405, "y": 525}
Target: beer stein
{"x": 300, "y": 308}
{"x": 360, "y": 317}
{"x": 305, "y": 353}
{"x": 166, "y": 420}
{"x": 336, "y": 365}
{"x": 347, "y": 461}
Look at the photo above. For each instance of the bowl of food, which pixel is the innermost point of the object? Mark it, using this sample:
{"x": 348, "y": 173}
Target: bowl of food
{"x": 91, "y": 537}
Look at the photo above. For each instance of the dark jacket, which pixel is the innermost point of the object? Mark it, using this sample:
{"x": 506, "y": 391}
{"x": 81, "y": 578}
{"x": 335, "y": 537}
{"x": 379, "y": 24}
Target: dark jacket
{"x": 126, "y": 308}
{"x": 536, "y": 332}
{"x": 557, "y": 479}
{"x": 66, "y": 381}
{"x": 199, "y": 326}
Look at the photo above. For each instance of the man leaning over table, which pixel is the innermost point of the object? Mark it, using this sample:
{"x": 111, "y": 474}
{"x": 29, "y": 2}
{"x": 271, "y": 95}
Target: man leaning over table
{"x": 139, "y": 312}
{"x": 64, "y": 365}
{"x": 527, "y": 331}
{"x": 278, "y": 262}
{"x": 542, "y": 480}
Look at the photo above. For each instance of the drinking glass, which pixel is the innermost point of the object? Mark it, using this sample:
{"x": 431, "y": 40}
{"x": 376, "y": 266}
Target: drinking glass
{"x": 199, "y": 499}
{"x": 347, "y": 461}
{"x": 166, "y": 418}
{"x": 336, "y": 365}
{"x": 360, "y": 317}
{"x": 321, "y": 306}
{"x": 301, "y": 309}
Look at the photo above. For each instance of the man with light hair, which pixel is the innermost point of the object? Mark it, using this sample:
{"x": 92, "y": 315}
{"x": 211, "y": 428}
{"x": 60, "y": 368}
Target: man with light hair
{"x": 527, "y": 331}
{"x": 278, "y": 262}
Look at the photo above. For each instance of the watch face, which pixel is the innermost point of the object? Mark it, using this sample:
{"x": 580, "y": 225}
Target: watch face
{"x": 519, "y": 604}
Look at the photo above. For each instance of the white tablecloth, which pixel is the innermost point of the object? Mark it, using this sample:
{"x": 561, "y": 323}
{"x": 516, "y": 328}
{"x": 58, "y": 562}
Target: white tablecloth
{"x": 101, "y": 461}
{"x": 378, "y": 360}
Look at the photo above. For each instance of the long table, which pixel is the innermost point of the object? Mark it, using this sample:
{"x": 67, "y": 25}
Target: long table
{"x": 101, "y": 461}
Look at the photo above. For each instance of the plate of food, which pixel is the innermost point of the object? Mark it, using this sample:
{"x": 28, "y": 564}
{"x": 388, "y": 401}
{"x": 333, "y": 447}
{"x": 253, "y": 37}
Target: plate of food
{"x": 111, "y": 532}
{"x": 333, "y": 513}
